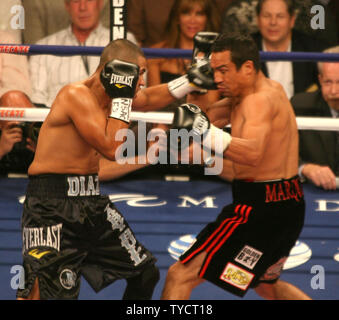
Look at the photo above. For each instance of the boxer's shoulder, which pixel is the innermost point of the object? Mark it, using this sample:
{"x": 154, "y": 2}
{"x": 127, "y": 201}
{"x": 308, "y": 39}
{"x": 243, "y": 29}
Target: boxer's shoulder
{"x": 74, "y": 88}
{"x": 76, "y": 93}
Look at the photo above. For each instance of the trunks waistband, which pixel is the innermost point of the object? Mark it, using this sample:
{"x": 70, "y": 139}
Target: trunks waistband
{"x": 63, "y": 186}
{"x": 268, "y": 191}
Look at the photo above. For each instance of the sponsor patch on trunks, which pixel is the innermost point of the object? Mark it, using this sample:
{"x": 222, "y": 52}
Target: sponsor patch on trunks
{"x": 248, "y": 257}
{"x": 237, "y": 276}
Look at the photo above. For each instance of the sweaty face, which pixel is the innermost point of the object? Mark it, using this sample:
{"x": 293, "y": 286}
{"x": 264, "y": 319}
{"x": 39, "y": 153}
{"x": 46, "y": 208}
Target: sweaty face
{"x": 226, "y": 75}
{"x": 274, "y": 21}
{"x": 84, "y": 14}
{"x": 329, "y": 81}
{"x": 192, "y": 21}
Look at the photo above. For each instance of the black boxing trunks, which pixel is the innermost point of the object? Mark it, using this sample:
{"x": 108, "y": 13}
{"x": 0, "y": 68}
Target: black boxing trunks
{"x": 251, "y": 238}
{"x": 69, "y": 230}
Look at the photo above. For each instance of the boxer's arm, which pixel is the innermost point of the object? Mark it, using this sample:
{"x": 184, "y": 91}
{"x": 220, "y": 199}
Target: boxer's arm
{"x": 219, "y": 113}
{"x": 204, "y": 101}
{"x": 227, "y": 172}
{"x": 90, "y": 120}
{"x": 152, "y": 98}
{"x": 110, "y": 170}
{"x": 249, "y": 148}
{"x": 157, "y": 97}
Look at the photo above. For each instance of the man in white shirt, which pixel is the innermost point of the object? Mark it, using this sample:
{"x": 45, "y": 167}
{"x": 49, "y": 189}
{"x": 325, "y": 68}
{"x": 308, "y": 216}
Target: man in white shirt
{"x": 50, "y": 73}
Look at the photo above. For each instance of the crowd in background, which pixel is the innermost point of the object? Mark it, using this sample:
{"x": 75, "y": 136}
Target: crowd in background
{"x": 276, "y": 25}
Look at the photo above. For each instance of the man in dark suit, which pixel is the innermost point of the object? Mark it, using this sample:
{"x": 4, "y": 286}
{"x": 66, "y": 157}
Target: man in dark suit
{"x": 276, "y": 21}
{"x": 319, "y": 150}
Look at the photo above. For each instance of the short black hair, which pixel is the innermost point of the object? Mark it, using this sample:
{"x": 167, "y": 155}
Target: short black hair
{"x": 241, "y": 46}
{"x": 121, "y": 49}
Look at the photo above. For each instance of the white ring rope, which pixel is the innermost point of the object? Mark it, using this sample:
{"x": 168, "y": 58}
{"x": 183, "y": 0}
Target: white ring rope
{"x": 40, "y": 114}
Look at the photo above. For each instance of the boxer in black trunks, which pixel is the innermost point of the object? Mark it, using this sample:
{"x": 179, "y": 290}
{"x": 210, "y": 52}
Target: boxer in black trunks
{"x": 248, "y": 243}
{"x": 68, "y": 228}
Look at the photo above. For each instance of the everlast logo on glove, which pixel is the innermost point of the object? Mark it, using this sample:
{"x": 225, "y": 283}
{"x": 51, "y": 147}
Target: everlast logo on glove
{"x": 122, "y": 80}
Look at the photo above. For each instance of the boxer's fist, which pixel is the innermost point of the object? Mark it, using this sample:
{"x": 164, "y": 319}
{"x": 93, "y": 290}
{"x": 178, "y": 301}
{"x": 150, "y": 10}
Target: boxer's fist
{"x": 201, "y": 74}
{"x": 190, "y": 117}
{"x": 203, "y": 42}
{"x": 120, "y": 79}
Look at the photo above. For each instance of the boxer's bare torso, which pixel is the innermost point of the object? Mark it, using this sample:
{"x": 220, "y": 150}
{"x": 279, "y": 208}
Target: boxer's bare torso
{"x": 75, "y": 130}
{"x": 264, "y": 142}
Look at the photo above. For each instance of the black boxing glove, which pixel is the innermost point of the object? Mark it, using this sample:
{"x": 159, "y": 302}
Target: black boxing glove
{"x": 120, "y": 79}
{"x": 199, "y": 76}
{"x": 203, "y": 41}
{"x": 190, "y": 117}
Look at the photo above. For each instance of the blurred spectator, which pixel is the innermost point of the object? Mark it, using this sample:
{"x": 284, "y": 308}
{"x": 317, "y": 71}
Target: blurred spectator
{"x": 16, "y": 144}
{"x": 15, "y": 88}
{"x": 319, "y": 150}
{"x": 187, "y": 17}
{"x": 276, "y": 20}
{"x": 10, "y": 16}
{"x": 50, "y": 73}
{"x": 241, "y": 16}
{"x": 13, "y": 68}
{"x": 43, "y": 18}
{"x": 147, "y": 19}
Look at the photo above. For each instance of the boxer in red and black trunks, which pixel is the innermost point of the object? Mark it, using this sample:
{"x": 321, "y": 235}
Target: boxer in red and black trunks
{"x": 239, "y": 255}
{"x": 248, "y": 243}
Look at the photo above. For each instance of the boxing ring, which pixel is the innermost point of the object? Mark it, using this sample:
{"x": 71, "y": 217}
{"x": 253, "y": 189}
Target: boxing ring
{"x": 165, "y": 215}
{"x": 160, "y": 218}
